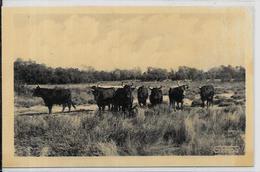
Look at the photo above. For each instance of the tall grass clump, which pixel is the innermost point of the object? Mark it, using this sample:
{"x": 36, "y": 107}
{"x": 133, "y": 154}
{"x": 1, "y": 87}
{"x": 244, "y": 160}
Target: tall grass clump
{"x": 217, "y": 127}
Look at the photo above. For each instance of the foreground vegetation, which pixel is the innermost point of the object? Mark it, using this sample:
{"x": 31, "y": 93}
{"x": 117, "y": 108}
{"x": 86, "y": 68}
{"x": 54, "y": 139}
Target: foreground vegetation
{"x": 154, "y": 131}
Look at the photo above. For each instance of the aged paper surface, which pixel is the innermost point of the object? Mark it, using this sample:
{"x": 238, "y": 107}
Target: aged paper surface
{"x": 37, "y": 34}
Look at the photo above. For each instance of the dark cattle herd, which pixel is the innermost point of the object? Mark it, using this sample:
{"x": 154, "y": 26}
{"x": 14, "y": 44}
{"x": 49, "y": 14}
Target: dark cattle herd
{"x": 117, "y": 99}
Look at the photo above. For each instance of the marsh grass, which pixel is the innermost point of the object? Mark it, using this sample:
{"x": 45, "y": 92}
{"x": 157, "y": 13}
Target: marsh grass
{"x": 154, "y": 131}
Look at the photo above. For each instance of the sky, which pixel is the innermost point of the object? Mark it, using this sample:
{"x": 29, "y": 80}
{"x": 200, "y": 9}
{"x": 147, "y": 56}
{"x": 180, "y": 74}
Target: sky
{"x": 125, "y": 39}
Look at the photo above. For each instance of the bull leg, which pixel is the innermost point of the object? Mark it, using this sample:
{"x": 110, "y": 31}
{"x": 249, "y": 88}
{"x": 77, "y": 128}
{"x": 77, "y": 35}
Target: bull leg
{"x": 202, "y": 105}
{"x": 174, "y": 107}
{"x": 182, "y": 105}
{"x": 208, "y": 103}
{"x": 115, "y": 108}
{"x": 72, "y": 103}
{"x": 69, "y": 105}
{"x": 50, "y": 108}
{"x": 63, "y": 107}
{"x": 178, "y": 105}
{"x": 130, "y": 108}
{"x": 112, "y": 107}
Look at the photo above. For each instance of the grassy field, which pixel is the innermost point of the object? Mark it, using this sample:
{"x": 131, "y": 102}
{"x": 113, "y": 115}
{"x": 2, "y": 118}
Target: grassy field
{"x": 146, "y": 131}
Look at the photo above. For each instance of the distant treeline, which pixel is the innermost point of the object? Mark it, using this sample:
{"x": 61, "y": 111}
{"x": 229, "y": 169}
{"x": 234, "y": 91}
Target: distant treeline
{"x": 30, "y": 72}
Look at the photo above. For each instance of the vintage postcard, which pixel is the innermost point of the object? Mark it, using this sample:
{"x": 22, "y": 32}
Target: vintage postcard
{"x": 127, "y": 86}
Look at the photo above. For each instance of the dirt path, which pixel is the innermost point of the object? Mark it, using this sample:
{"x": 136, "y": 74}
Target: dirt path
{"x": 56, "y": 109}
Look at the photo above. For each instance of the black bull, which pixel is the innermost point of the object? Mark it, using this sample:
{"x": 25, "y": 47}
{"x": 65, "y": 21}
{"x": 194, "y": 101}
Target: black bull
{"x": 54, "y": 96}
{"x": 142, "y": 95}
{"x": 176, "y": 95}
{"x": 103, "y": 96}
{"x": 206, "y": 94}
{"x": 123, "y": 98}
{"x": 156, "y": 96}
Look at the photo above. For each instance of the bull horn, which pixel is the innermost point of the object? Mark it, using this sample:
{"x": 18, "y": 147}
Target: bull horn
{"x": 160, "y": 87}
{"x": 178, "y": 83}
{"x": 150, "y": 88}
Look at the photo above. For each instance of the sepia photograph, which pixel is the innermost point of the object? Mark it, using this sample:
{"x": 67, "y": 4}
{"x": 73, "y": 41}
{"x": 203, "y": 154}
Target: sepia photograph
{"x": 132, "y": 82}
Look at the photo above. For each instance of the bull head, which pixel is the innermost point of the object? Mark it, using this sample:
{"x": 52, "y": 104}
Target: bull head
{"x": 36, "y": 91}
